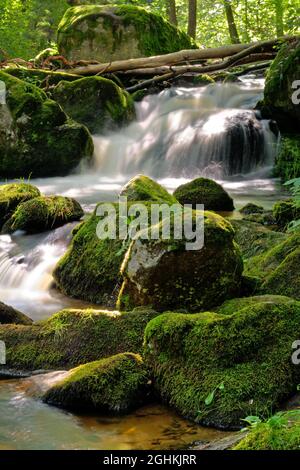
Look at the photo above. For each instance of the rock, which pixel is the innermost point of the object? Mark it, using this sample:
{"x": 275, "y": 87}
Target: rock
{"x": 109, "y": 33}
{"x": 162, "y": 273}
{"x": 287, "y": 164}
{"x": 204, "y": 191}
{"x": 279, "y": 432}
{"x": 143, "y": 188}
{"x": 116, "y": 384}
{"x": 284, "y": 71}
{"x": 11, "y": 195}
{"x": 251, "y": 209}
{"x": 266, "y": 218}
{"x": 285, "y": 212}
{"x": 43, "y": 213}
{"x": 36, "y": 136}
{"x": 96, "y": 102}
{"x": 218, "y": 368}
{"x": 73, "y": 337}
{"x": 253, "y": 238}
{"x": 10, "y": 315}
{"x": 41, "y": 78}
{"x": 278, "y": 267}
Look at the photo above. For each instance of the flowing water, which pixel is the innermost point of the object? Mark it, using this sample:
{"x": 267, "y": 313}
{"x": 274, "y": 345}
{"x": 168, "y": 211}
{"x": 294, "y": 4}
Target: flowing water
{"x": 179, "y": 134}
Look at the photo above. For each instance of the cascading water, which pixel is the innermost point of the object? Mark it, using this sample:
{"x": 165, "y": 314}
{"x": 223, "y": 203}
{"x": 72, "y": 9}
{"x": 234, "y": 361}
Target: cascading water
{"x": 184, "y": 132}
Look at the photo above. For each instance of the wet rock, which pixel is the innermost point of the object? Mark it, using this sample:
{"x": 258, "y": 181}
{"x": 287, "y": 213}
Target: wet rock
{"x": 10, "y": 315}
{"x": 11, "y": 195}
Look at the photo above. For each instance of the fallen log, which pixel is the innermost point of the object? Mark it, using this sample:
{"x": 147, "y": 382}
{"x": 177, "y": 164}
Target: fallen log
{"x": 185, "y": 56}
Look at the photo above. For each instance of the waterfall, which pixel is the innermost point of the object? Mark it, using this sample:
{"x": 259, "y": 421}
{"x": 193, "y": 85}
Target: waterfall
{"x": 185, "y": 132}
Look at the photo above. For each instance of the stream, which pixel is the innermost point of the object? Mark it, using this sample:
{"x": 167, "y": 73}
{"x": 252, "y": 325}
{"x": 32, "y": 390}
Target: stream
{"x": 178, "y": 135}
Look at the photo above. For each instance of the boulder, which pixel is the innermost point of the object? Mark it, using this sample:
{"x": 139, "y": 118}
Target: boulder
{"x": 73, "y": 337}
{"x": 10, "y": 315}
{"x": 109, "y": 33}
{"x": 163, "y": 273}
{"x": 43, "y": 213}
{"x": 11, "y": 195}
{"x": 219, "y": 368}
{"x": 204, "y": 191}
{"x": 36, "y": 137}
{"x": 143, "y": 188}
{"x": 96, "y": 102}
{"x": 251, "y": 208}
{"x": 287, "y": 164}
{"x": 113, "y": 385}
{"x": 285, "y": 212}
{"x": 284, "y": 71}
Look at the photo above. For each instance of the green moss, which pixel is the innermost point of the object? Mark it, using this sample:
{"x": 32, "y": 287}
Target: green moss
{"x": 116, "y": 384}
{"x": 73, "y": 337}
{"x": 251, "y": 209}
{"x": 37, "y": 138}
{"x": 287, "y": 164}
{"x": 203, "y": 79}
{"x": 10, "y": 315}
{"x": 204, "y": 191}
{"x": 280, "y": 432}
{"x": 11, "y": 195}
{"x": 284, "y": 212}
{"x": 117, "y": 32}
{"x": 96, "y": 102}
{"x": 43, "y": 213}
{"x": 39, "y": 77}
{"x": 217, "y": 369}
{"x": 143, "y": 188}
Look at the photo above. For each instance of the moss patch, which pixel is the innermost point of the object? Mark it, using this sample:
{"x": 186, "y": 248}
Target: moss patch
{"x": 287, "y": 164}
{"x": 284, "y": 212}
{"x": 217, "y": 369}
{"x": 11, "y": 195}
{"x": 143, "y": 188}
{"x": 112, "y": 385}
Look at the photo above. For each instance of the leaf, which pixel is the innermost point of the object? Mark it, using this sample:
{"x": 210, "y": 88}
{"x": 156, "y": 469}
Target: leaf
{"x": 210, "y": 398}
{"x": 221, "y": 386}
{"x": 252, "y": 420}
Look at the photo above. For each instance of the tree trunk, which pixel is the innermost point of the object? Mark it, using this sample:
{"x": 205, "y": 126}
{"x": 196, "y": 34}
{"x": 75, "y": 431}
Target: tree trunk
{"x": 171, "y": 11}
{"x": 279, "y": 17}
{"x": 233, "y": 32}
{"x": 192, "y": 22}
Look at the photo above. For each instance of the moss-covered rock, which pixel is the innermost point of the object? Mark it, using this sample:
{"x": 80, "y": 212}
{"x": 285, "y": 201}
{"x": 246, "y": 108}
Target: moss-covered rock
{"x": 113, "y": 385}
{"x": 96, "y": 102}
{"x": 284, "y": 71}
{"x": 40, "y": 77}
{"x": 287, "y": 164}
{"x": 73, "y": 337}
{"x": 219, "y": 368}
{"x": 204, "y": 191}
{"x": 43, "y": 213}
{"x": 108, "y": 33}
{"x": 278, "y": 267}
{"x": 251, "y": 208}
{"x": 163, "y": 273}
{"x": 203, "y": 79}
{"x": 36, "y": 137}
{"x": 143, "y": 188}
{"x": 280, "y": 432}
{"x": 284, "y": 212}
{"x": 11, "y": 195}
{"x": 10, "y": 315}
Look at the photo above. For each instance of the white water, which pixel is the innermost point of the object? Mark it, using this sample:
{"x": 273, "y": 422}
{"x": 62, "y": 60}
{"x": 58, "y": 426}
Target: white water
{"x": 179, "y": 134}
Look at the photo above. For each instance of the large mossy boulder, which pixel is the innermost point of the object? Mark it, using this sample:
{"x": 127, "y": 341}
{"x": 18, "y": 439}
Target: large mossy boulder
{"x": 287, "y": 164}
{"x": 109, "y": 33}
{"x": 96, "y": 102}
{"x": 163, "y": 273}
{"x": 219, "y": 368}
{"x": 43, "y": 213}
{"x": 204, "y": 191}
{"x": 10, "y": 315}
{"x": 280, "y": 432}
{"x": 116, "y": 384}
{"x": 73, "y": 337}
{"x": 278, "y": 267}
{"x": 143, "y": 188}
{"x": 284, "y": 71}
{"x": 13, "y": 194}
{"x": 36, "y": 137}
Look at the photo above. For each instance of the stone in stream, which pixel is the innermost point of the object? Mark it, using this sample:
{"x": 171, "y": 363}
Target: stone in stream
{"x": 36, "y": 137}
{"x": 96, "y": 102}
{"x": 116, "y": 384}
{"x": 143, "y": 188}
{"x": 218, "y": 368}
{"x": 112, "y": 32}
{"x": 11, "y": 195}
{"x": 43, "y": 213}
{"x": 10, "y": 315}
{"x": 204, "y": 191}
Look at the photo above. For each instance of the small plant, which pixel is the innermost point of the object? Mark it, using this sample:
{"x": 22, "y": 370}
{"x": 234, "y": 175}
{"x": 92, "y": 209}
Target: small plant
{"x": 211, "y": 396}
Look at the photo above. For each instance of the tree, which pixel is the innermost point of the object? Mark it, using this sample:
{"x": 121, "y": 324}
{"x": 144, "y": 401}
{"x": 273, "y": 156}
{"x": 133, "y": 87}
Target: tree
{"x": 192, "y": 18}
{"x": 233, "y": 32}
{"x": 171, "y": 11}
